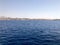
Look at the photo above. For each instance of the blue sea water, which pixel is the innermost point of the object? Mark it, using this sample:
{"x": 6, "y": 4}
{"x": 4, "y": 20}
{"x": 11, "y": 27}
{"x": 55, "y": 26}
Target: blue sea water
{"x": 29, "y": 32}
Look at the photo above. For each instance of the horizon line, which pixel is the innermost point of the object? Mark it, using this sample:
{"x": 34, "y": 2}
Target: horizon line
{"x": 28, "y": 18}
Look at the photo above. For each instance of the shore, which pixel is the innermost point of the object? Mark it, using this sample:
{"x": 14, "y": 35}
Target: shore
{"x": 9, "y": 18}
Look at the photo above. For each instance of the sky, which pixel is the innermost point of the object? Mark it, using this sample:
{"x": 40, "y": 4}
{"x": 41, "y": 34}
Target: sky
{"x": 49, "y": 9}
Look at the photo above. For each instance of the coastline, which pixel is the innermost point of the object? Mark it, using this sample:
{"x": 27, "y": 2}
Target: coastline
{"x": 9, "y": 18}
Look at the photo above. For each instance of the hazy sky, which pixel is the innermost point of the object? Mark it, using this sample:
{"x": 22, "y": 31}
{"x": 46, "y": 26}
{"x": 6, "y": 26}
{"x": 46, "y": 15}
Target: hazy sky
{"x": 30, "y": 8}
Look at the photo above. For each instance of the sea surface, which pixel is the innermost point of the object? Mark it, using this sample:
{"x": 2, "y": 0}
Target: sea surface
{"x": 29, "y": 32}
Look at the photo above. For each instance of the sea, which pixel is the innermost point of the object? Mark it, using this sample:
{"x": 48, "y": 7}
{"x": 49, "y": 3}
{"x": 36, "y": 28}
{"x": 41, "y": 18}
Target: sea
{"x": 29, "y": 32}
